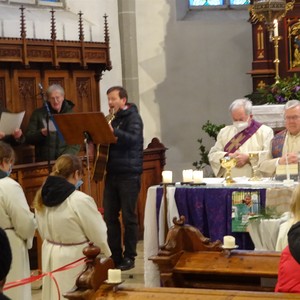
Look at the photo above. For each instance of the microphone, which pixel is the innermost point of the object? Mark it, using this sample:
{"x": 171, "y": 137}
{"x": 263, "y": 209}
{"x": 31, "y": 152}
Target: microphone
{"x": 41, "y": 88}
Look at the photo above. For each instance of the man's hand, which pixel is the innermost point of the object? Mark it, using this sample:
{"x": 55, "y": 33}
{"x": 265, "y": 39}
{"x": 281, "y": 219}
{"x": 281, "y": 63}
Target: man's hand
{"x": 241, "y": 158}
{"x": 290, "y": 158}
{"x": 44, "y": 131}
{"x": 2, "y": 134}
{"x": 17, "y": 133}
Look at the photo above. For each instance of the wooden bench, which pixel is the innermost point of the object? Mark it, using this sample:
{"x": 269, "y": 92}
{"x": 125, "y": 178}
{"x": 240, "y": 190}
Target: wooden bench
{"x": 105, "y": 292}
{"x": 90, "y": 285}
{"x": 188, "y": 259}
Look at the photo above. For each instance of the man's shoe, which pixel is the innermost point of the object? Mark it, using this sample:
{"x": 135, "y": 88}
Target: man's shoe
{"x": 126, "y": 264}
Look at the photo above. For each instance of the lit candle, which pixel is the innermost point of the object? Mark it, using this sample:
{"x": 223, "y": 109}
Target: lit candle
{"x": 187, "y": 175}
{"x": 275, "y": 27}
{"x": 228, "y": 242}
{"x": 198, "y": 176}
{"x": 114, "y": 275}
{"x": 167, "y": 176}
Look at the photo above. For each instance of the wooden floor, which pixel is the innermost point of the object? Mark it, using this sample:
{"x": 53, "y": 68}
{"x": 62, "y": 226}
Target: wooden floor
{"x": 134, "y": 278}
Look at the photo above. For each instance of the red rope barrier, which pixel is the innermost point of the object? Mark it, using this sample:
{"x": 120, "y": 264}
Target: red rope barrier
{"x": 33, "y": 278}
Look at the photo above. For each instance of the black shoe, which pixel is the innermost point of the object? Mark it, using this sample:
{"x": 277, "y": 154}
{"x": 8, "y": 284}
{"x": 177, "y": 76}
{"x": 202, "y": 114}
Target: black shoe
{"x": 126, "y": 264}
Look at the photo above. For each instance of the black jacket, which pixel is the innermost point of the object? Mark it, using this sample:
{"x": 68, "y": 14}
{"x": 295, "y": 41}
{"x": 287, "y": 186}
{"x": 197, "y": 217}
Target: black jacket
{"x": 294, "y": 241}
{"x": 126, "y": 156}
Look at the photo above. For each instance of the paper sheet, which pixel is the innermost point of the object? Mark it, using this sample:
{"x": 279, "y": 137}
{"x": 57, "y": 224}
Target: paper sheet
{"x": 51, "y": 125}
{"x": 9, "y": 122}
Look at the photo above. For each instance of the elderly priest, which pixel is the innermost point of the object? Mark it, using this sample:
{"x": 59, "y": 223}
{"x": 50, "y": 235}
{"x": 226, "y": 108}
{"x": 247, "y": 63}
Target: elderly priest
{"x": 285, "y": 146}
{"x": 244, "y": 136}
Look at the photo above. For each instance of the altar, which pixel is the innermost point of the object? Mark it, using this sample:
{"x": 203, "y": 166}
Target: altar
{"x": 209, "y": 208}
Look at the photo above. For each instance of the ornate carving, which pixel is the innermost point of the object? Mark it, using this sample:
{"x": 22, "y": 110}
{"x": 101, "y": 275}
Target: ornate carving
{"x": 23, "y": 23}
{"x": 2, "y": 93}
{"x": 57, "y": 80}
{"x": 95, "y": 55}
{"x": 53, "y": 27}
{"x": 27, "y": 90}
{"x": 81, "y": 33}
{"x": 83, "y": 88}
{"x": 68, "y": 53}
{"x": 39, "y": 53}
{"x": 6, "y": 52}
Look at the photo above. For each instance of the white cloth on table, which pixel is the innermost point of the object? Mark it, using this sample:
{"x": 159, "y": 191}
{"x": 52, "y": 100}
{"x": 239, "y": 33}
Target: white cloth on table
{"x": 265, "y": 232}
{"x": 153, "y": 237}
{"x": 282, "y": 240}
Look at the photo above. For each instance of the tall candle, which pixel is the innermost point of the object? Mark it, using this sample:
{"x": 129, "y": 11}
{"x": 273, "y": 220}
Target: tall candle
{"x": 114, "y": 275}
{"x": 198, "y": 176}
{"x": 187, "y": 175}
{"x": 228, "y": 241}
{"x": 167, "y": 176}
{"x": 275, "y": 27}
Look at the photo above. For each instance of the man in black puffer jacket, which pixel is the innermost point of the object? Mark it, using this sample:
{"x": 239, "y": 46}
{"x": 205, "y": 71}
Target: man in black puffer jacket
{"x": 123, "y": 177}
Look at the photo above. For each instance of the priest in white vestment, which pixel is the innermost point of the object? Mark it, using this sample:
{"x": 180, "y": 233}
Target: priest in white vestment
{"x": 18, "y": 222}
{"x": 285, "y": 146}
{"x": 244, "y": 136}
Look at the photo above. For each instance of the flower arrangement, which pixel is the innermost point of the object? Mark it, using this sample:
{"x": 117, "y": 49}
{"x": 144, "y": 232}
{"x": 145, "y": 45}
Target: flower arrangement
{"x": 278, "y": 93}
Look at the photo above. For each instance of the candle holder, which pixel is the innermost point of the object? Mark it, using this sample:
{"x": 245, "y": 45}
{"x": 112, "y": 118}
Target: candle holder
{"x": 115, "y": 285}
{"x": 227, "y": 251}
{"x": 276, "y": 61}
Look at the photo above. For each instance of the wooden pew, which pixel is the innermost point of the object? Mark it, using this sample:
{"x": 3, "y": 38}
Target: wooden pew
{"x": 105, "y": 292}
{"x": 90, "y": 285}
{"x": 188, "y": 259}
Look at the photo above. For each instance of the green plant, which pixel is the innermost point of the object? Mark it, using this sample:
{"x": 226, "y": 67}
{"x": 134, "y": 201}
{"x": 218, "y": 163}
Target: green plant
{"x": 212, "y": 130}
{"x": 278, "y": 93}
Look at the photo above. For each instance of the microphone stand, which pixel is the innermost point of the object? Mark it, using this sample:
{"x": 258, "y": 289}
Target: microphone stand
{"x": 48, "y": 116}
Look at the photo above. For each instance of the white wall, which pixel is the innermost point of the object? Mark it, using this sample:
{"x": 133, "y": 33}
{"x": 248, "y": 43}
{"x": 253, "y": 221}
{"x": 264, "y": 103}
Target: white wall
{"x": 190, "y": 70}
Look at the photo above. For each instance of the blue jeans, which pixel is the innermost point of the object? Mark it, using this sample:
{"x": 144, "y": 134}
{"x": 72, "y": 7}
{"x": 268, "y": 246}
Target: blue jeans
{"x": 121, "y": 194}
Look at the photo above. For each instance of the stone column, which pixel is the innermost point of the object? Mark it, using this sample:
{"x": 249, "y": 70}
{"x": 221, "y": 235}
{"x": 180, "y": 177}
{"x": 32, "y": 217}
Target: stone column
{"x": 127, "y": 26}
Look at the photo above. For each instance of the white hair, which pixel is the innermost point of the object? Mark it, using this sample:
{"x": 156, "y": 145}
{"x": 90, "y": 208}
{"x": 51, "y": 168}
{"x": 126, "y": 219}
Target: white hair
{"x": 291, "y": 104}
{"x": 55, "y": 87}
{"x": 244, "y": 102}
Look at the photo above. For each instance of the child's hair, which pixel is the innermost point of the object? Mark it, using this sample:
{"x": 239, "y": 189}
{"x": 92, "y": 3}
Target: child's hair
{"x": 295, "y": 204}
{"x": 64, "y": 167}
{"x": 7, "y": 153}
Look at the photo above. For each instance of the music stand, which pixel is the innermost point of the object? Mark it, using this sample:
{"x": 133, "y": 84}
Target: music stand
{"x": 76, "y": 127}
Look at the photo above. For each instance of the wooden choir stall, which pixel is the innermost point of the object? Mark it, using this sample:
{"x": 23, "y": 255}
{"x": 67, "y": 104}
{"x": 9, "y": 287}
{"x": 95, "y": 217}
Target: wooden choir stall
{"x": 78, "y": 67}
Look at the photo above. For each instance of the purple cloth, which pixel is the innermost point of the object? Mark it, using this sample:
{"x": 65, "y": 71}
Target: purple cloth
{"x": 209, "y": 209}
{"x": 241, "y": 137}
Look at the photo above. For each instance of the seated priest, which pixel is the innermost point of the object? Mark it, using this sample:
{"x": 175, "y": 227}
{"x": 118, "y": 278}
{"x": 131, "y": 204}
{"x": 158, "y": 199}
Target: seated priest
{"x": 244, "y": 136}
{"x": 285, "y": 145}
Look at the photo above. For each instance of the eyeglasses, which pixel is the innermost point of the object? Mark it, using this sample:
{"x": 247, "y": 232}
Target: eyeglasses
{"x": 291, "y": 118}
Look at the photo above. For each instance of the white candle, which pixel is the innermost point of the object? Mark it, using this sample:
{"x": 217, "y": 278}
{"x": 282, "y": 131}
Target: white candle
{"x": 275, "y": 27}
{"x": 167, "y": 176}
{"x": 114, "y": 275}
{"x": 228, "y": 242}
{"x": 187, "y": 175}
{"x": 198, "y": 176}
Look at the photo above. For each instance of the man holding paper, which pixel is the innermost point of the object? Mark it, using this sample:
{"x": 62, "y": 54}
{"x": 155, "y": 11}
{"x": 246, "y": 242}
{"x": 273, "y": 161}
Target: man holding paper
{"x": 285, "y": 144}
{"x": 10, "y": 131}
{"x": 52, "y": 146}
